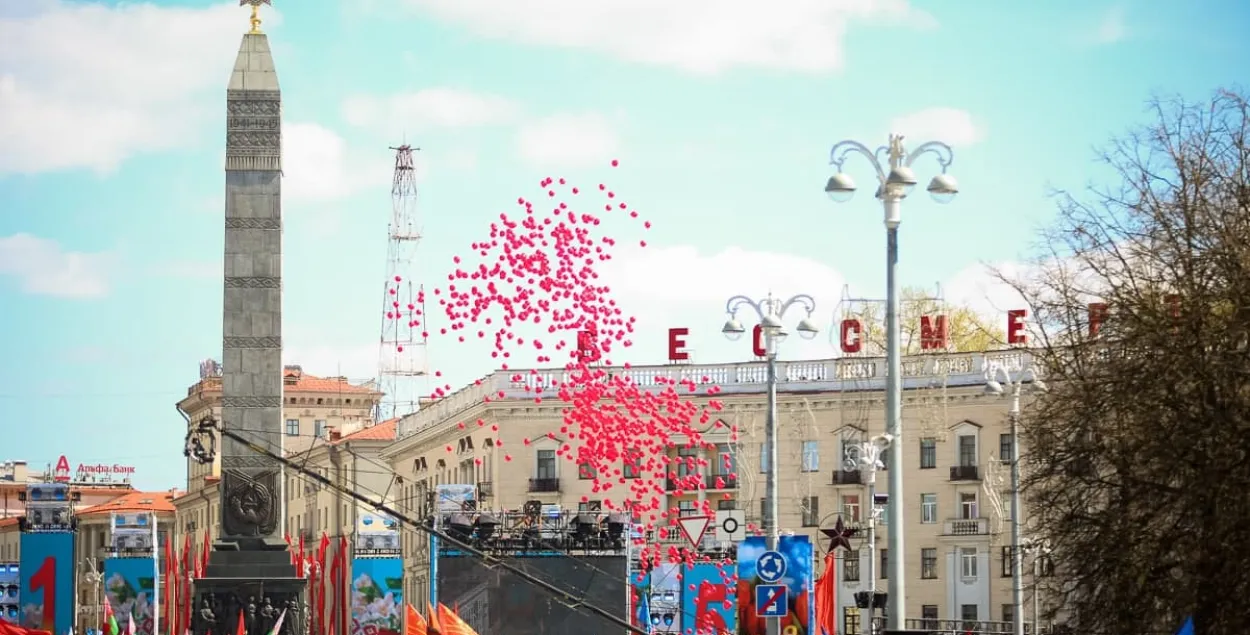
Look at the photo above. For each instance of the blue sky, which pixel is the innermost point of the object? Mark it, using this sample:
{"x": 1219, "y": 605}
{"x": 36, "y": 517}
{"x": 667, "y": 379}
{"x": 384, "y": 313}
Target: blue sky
{"x": 111, "y": 145}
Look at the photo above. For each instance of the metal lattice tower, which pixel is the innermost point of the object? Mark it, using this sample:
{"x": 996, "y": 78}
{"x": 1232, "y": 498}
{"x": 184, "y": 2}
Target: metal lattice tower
{"x": 402, "y": 349}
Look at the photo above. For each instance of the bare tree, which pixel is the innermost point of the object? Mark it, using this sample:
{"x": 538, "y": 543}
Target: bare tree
{"x": 1137, "y": 462}
{"x": 966, "y": 330}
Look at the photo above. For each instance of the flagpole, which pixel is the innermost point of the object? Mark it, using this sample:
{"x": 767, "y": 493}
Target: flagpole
{"x": 156, "y": 567}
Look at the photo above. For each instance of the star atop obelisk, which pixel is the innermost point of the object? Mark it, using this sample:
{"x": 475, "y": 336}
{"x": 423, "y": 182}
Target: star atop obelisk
{"x": 255, "y": 13}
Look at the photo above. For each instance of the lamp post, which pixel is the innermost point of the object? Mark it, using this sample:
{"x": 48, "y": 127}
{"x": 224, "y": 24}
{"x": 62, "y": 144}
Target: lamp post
{"x": 895, "y": 181}
{"x": 1036, "y": 548}
{"x": 867, "y": 457}
{"x": 1004, "y": 383}
{"x": 770, "y": 312}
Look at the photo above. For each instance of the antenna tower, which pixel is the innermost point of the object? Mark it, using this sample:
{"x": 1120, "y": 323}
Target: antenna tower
{"x": 402, "y": 350}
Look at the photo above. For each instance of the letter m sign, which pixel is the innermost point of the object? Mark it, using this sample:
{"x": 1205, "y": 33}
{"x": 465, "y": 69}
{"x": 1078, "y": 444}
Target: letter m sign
{"x": 933, "y": 333}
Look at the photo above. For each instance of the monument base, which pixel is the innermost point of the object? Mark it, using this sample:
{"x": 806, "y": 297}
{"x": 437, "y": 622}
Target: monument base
{"x": 256, "y": 586}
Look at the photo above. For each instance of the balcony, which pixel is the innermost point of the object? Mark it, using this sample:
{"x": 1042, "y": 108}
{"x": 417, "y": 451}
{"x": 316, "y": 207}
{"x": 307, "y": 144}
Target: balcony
{"x": 848, "y": 477}
{"x": 485, "y": 489}
{"x": 966, "y": 527}
{"x": 981, "y": 627}
{"x": 544, "y": 485}
{"x": 711, "y": 482}
{"x": 965, "y": 473}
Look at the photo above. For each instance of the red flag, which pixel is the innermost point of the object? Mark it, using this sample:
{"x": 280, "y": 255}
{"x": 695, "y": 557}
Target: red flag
{"x": 436, "y": 627}
{"x": 826, "y": 598}
{"x": 414, "y": 624}
{"x": 167, "y": 587}
{"x": 290, "y": 547}
{"x": 322, "y": 578}
{"x": 450, "y": 623}
{"x": 188, "y": 569}
{"x": 299, "y": 563}
{"x": 240, "y": 630}
{"x": 338, "y": 583}
{"x": 204, "y": 554}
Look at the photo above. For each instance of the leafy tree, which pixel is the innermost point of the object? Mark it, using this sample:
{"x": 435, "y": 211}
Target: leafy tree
{"x": 1136, "y": 461}
{"x": 967, "y": 330}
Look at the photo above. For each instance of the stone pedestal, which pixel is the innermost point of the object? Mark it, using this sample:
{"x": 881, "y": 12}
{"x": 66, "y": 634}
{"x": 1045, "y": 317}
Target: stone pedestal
{"x": 258, "y": 585}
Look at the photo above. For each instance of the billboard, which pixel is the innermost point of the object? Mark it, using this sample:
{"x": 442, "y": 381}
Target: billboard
{"x": 377, "y": 590}
{"x": 495, "y": 600}
{"x": 376, "y": 535}
{"x": 10, "y": 581}
{"x": 801, "y": 612}
{"x": 48, "y": 507}
{"x": 130, "y": 589}
{"x": 709, "y": 602}
{"x": 449, "y": 499}
{"x": 47, "y": 581}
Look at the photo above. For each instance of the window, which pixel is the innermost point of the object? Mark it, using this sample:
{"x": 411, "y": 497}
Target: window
{"x": 968, "y": 613}
{"x": 928, "y": 454}
{"x": 1009, "y": 615}
{"x": 545, "y": 466}
{"x": 850, "y": 566}
{"x": 687, "y": 461}
{"x": 811, "y": 456}
{"x": 811, "y": 511}
{"x": 928, "y": 563}
{"x": 724, "y": 505}
{"x": 763, "y": 459}
{"x": 687, "y": 508}
{"x": 1005, "y": 497}
{"x": 319, "y": 428}
{"x": 968, "y": 563}
{"x": 632, "y": 467}
{"x": 850, "y": 507}
{"x": 928, "y": 612}
{"x": 928, "y": 509}
{"x": 585, "y": 471}
{"x": 967, "y": 450}
{"x": 292, "y": 427}
{"x": 968, "y": 505}
{"x": 850, "y": 620}
{"x": 1004, "y": 448}
{"x": 726, "y": 462}
{"x": 885, "y": 565}
{"x": 1006, "y": 572}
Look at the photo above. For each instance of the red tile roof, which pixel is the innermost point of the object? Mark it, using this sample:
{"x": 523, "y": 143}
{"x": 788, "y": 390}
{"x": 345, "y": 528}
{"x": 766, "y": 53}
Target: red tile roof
{"x": 135, "y": 502}
{"x": 7, "y": 522}
{"x": 303, "y": 382}
{"x": 384, "y": 431}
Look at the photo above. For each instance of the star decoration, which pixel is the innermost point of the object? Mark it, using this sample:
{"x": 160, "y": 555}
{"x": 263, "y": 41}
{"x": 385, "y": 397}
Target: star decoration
{"x": 840, "y": 535}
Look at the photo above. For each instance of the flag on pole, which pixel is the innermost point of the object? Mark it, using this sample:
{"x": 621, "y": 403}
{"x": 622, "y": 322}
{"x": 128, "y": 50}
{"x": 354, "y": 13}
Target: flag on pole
{"x": 435, "y": 627}
{"x": 1188, "y": 627}
{"x": 110, "y": 620}
{"x": 130, "y": 624}
{"x": 644, "y": 612}
{"x": 414, "y": 624}
{"x": 277, "y": 626}
{"x": 450, "y": 624}
{"x": 241, "y": 628}
{"x": 826, "y": 598}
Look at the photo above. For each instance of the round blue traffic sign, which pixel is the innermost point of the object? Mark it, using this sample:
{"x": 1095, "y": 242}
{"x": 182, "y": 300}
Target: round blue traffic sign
{"x": 770, "y": 566}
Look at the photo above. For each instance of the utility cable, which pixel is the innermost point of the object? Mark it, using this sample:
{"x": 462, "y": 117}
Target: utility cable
{"x": 493, "y": 561}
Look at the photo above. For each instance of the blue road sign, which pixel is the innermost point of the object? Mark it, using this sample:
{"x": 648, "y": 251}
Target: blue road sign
{"x": 770, "y": 566}
{"x": 772, "y": 600}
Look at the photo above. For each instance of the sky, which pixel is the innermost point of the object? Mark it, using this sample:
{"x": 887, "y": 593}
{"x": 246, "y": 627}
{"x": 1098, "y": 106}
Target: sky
{"x": 721, "y": 114}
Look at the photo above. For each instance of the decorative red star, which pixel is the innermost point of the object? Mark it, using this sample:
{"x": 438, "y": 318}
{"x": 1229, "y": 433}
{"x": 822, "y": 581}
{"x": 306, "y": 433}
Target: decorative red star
{"x": 840, "y": 535}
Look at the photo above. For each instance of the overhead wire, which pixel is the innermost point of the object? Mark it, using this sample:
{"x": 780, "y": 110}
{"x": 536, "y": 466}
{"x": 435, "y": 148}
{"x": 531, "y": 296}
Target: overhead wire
{"x": 491, "y": 561}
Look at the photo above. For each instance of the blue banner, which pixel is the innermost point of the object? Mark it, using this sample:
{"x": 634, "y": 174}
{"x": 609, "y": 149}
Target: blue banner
{"x": 801, "y": 610}
{"x": 709, "y": 599}
{"x": 377, "y": 596}
{"x": 47, "y": 581}
{"x": 130, "y": 588}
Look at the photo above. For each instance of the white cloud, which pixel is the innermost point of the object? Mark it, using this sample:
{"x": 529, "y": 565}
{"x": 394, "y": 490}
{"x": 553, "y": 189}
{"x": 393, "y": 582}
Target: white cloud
{"x": 191, "y": 270}
{"x": 979, "y": 288}
{"x": 86, "y": 85}
{"x": 950, "y": 125}
{"x": 317, "y": 165}
{"x": 42, "y": 267}
{"x": 426, "y": 109}
{"x": 1113, "y": 27}
{"x": 699, "y": 36}
{"x": 568, "y": 140}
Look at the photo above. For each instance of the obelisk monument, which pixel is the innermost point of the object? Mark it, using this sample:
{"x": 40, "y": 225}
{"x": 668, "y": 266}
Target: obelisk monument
{"x": 249, "y": 574}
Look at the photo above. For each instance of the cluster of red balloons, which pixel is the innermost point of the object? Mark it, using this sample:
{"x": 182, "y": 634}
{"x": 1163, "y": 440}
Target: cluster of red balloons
{"x": 538, "y": 272}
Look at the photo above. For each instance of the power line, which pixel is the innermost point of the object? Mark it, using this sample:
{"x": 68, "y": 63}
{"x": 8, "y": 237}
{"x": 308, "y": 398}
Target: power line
{"x": 493, "y": 561}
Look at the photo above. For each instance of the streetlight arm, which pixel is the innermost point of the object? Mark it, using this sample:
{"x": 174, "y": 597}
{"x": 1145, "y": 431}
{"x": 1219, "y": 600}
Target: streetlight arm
{"x": 843, "y": 149}
{"x": 806, "y": 300}
{"x": 945, "y": 156}
{"x": 738, "y": 301}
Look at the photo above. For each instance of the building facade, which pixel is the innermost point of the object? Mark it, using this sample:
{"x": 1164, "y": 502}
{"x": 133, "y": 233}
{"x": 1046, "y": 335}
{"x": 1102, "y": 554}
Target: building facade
{"x": 314, "y": 409}
{"x": 956, "y": 452}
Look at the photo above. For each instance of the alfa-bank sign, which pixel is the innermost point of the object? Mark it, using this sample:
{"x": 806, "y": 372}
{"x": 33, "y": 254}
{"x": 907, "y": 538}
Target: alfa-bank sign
{"x": 62, "y": 472}
{"x": 934, "y": 333}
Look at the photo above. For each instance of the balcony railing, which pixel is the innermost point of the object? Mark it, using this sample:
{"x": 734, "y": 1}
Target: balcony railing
{"x": 544, "y": 485}
{"x": 966, "y": 527}
{"x": 976, "y": 627}
{"x": 965, "y": 473}
{"x": 485, "y": 489}
{"x": 710, "y": 482}
{"x": 848, "y": 477}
